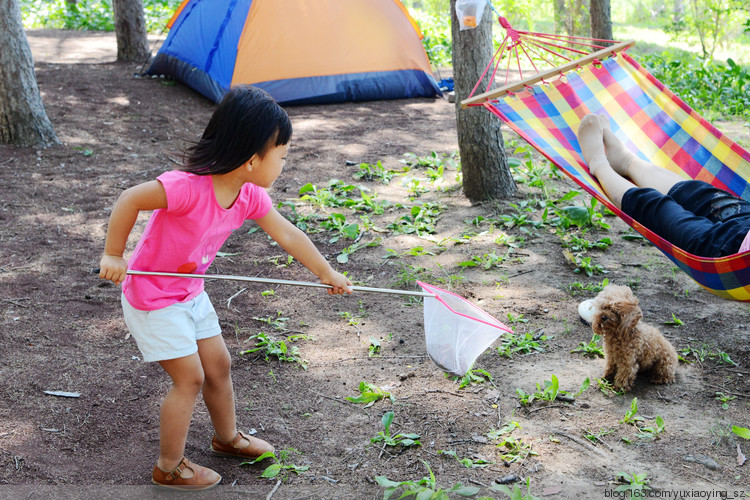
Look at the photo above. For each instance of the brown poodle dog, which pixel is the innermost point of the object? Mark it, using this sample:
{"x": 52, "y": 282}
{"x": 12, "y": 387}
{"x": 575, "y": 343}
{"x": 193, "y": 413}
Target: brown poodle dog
{"x": 630, "y": 345}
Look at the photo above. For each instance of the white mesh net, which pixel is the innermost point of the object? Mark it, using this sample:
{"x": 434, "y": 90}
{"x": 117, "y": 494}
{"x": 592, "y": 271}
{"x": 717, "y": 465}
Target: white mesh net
{"x": 456, "y": 331}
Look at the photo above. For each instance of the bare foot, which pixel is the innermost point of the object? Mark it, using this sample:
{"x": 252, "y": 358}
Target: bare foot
{"x": 591, "y": 140}
{"x": 618, "y": 155}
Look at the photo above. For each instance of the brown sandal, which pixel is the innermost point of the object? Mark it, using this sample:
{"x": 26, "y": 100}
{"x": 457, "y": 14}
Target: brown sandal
{"x": 256, "y": 448}
{"x": 202, "y": 478}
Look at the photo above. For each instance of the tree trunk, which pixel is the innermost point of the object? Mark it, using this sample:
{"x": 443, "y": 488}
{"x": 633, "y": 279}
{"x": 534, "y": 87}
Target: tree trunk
{"x": 601, "y": 21}
{"x": 480, "y": 142}
{"x": 130, "y": 27}
{"x": 23, "y": 120}
{"x": 559, "y": 6}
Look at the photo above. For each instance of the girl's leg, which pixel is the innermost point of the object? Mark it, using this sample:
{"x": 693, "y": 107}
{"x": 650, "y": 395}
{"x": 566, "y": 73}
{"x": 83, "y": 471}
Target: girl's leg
{"x": 177, "y": 408}
{"x": 218, "y": 393}
{"x": 627, "y": 164}
{"x": 591, "y": 139}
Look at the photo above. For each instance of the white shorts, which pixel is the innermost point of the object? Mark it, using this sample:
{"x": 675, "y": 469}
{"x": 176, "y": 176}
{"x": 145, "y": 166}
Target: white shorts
{"x": 173, "y": 331}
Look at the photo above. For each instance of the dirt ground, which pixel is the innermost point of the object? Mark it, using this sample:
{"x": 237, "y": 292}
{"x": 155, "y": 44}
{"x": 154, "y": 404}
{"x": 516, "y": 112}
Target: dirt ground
{"x": 61, "y": 327}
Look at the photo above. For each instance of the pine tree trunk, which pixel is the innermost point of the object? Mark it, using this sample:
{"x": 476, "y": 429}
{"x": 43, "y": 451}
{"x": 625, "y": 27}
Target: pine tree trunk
{"x": 130, "y": 28}
{"x": 484, "y": 164}
{"x": 601, "y": 20}
{"x": 23, "y": 120}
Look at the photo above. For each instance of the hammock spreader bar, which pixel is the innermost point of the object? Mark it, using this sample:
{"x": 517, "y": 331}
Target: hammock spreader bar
{"x": 650, "y": 120}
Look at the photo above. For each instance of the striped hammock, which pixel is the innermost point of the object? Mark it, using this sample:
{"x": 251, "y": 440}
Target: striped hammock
{"x": 653, "y": 122}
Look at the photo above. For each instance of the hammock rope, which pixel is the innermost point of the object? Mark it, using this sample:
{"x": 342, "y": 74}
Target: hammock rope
{"x": 651, "y": 121}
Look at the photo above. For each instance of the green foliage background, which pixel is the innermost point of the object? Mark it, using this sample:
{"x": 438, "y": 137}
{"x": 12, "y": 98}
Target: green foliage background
{"x": 680, "y": 51}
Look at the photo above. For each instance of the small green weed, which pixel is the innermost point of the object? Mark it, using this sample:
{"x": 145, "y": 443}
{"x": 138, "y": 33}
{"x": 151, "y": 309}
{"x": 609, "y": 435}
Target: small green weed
{"x": 387, "y": 439}
{"x": 472, "y": 377}
{"x": 512, "y": 343}
{"x": 549, "y": 392}
{"x": 632, "y": 417}
{"x": 469, "y": 463}
{"x": 423, "y": 489}
{"x": 281, "y": 466}
{"x": 421, "y": 220}
{"x": 705, "y": 352}
{"x": 369, "y": 394}
{"x": 516, "y": 493}
{"x": 608, "y": 387}
{"x": 675, "y": 321}
{"x": 724, "y": 399}
{"x": 592, "y": 349}
{"x": 486, "y": 261}
{"x": 374, "y": 348}
{"x": 595, "y": 288}
{"x": 376, "y": 172}
{"x": 634, "y": 484}
{"x": 271, "y": 347}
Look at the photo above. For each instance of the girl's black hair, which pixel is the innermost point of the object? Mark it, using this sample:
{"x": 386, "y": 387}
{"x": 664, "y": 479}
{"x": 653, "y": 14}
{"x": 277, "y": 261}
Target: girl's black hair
{"x": 247, "y": 121}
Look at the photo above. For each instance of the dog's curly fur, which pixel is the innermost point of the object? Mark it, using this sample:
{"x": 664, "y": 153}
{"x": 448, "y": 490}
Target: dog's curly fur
{"x": 630, "y": 345}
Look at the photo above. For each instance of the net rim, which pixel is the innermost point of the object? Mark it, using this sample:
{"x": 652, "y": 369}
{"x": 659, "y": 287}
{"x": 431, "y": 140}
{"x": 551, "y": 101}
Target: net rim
{"x": 431, "y": 289}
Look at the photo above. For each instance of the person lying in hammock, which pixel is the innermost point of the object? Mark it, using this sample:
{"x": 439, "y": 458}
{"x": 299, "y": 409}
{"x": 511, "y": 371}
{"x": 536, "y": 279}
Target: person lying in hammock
{"x": 691, "y": 214}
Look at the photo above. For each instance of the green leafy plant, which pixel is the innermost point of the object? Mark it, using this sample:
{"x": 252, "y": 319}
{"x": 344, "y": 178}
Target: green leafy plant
{"x": 272, "y": 347}
{"x": 549, "y": 392}
{"x": 281, "y": 466}
{"x": 338, "y": 225}
{"x": 597, "y": 436}
{"x": 369, "y": 394}
{"x": 486, "y": 261}
{"x": 632, "y": 417}
{"x": 516, "y": 493}
{"x": 635, "y": 484}
{"x": 595, "y": 288}
{"x": 472, "y": 377}
{"x": 675, "y": 321}
{"x": 724, "y": 399}
{"x": 608, "y": 387}
{"x": 398, "y": 439}
{"x": 423, "y": 489}
{"x": 512, "y": 343}
{"x": 592, "y": 349}
{"x": 704, "y": 352}
{"x": 742, "y": 432}
{"x": 420, "y": 220}
{"x": 374, "y": 172}
{"x": 374, "y": 348}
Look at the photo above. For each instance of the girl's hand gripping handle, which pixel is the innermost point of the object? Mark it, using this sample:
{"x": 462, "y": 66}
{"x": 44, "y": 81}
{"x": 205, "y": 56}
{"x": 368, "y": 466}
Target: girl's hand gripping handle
{"x": 340, "y": 283}
{"x": 113, "y": 268}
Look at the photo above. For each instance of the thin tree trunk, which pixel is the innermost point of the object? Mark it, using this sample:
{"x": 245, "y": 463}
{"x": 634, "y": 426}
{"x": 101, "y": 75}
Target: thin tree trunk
{"x": 483, "y": 160}
{"x": 601, "y": 20}
{"x": 130, "y": 28}
{"x": 23, "y": 120}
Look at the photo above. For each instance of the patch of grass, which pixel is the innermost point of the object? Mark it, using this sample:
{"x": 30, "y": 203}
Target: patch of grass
{"x": 592, "y": 349}
{"x": 374, "y": 172}
{"x": 574, "y": 288}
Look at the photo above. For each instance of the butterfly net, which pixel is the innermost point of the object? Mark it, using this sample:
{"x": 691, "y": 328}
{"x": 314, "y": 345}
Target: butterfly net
{"x": 456, "y": 331}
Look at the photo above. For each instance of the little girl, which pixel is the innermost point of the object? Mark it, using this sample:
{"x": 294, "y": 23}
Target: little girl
{"x": 242, "y": 151}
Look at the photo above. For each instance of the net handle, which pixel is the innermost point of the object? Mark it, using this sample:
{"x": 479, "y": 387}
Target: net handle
{"x": 272, "y": 281}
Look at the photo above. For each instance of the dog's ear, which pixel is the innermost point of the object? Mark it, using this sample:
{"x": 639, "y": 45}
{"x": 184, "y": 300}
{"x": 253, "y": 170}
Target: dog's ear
{"x": 630, "y": 315}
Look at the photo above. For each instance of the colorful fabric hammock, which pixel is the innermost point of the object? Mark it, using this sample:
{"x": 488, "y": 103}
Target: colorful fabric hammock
{"x": 654, "y": 123}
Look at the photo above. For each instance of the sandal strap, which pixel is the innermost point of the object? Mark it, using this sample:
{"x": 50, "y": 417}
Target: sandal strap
{"x": 177, "y": 471}
{"x": 235, "y": 442}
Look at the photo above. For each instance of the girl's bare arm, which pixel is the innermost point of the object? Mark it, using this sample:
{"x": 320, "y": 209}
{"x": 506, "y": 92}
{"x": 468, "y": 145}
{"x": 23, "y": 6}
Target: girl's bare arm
{"x": 299, "y": 246}
{"x": 147, "y": 196}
